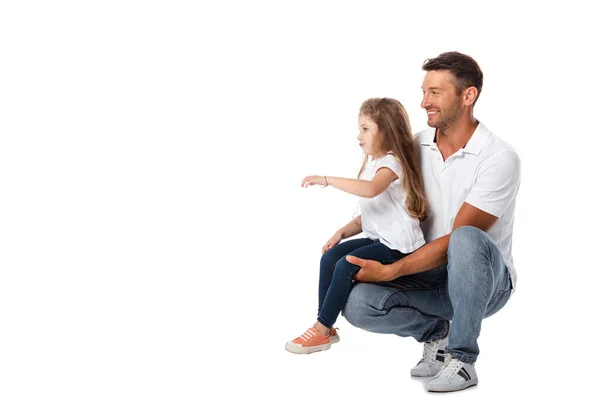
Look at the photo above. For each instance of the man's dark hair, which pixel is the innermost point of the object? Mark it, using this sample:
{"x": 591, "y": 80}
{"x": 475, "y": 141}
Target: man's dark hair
{"x": 464, "y": 68}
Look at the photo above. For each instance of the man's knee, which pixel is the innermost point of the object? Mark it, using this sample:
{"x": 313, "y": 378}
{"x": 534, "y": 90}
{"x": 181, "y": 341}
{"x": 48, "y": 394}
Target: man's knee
{"x": 466, "y": 237}
{"x": 468, "y": 241}
{"x": 468, "y": 251}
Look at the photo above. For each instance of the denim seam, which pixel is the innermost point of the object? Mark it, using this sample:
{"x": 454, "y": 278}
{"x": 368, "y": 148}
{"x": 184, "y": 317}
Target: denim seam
{"x": 442, "y": 298}
{"x": 468, "y": 358}
{"x": 440, "y": 292}
{"x": 483, "y": 303}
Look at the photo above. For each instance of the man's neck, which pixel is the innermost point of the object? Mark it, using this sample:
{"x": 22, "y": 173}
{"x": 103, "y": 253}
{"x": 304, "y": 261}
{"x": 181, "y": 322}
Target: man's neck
{"x": 455, "y": 137}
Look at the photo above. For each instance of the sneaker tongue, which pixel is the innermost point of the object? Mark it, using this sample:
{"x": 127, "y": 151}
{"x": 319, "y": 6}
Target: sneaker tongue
{"x": 447, "y": 359}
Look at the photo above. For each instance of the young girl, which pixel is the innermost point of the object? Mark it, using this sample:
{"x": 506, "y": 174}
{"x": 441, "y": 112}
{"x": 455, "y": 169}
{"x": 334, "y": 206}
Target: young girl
{"x": 392, "y": 203}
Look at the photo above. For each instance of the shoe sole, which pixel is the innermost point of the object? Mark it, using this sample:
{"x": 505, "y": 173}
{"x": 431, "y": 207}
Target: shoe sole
{"x": 299, "y": 349}
{"x": 454, "y": 388}
{"x": 334, "y": 339}
{"x": 422, "y": 374}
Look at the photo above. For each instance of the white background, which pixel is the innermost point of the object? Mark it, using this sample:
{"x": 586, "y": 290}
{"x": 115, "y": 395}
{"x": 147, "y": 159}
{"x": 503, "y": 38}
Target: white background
{"x": 155, "y": 241}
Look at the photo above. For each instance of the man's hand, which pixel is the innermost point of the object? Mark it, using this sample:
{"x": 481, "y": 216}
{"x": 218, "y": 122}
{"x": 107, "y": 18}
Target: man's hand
{"x": 371, "y": 271}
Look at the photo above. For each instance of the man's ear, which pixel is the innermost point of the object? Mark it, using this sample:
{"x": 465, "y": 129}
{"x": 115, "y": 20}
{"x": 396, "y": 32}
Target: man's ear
{"x": 469, "y": 95}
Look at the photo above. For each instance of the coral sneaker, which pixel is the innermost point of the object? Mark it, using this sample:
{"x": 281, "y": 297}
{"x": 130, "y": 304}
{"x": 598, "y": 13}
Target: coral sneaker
{"x": 309, "y": 342}
{"x": 333, "y": 336}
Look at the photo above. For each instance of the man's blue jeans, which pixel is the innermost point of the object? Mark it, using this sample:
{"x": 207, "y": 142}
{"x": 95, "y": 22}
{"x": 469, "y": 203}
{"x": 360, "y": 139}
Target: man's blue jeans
{"x": 337, "y": 273}
{"x": 474, "y": 284}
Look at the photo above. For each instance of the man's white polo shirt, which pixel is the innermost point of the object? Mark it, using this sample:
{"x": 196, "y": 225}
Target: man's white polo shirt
{"x": 485, "y": 173}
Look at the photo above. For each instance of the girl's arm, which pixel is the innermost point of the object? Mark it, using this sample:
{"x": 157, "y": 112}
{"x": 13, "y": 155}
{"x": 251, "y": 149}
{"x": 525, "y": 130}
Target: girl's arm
{"x": 354, "y": 227}
{"x": 382, "y": 179}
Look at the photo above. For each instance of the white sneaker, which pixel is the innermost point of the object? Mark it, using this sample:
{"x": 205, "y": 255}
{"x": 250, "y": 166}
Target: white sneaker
{"x": 433, "y": 358}
{"x": 454, "y": 375}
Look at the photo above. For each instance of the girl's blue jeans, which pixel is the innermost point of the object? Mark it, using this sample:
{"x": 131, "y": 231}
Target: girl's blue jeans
{"x": 337, "y": 274}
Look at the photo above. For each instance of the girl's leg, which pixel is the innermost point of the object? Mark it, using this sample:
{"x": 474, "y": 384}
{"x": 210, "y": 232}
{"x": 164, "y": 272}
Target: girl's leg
{"x": 318, "y": 338}
{"x": 330, "y": 258}
{"x": 342, "y": 278}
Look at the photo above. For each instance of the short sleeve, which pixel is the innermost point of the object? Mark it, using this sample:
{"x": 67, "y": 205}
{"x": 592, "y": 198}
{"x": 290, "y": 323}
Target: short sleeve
{"x": 389, "y": 161}
{"x": 496, "y": 183}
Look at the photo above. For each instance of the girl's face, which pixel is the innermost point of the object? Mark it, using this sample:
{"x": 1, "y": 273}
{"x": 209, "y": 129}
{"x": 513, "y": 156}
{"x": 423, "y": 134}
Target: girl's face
{"x": 369, "y": 137}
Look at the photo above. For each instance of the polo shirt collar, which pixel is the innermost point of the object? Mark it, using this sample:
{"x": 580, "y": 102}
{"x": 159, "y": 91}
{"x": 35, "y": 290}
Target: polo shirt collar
{"x": 429, "y": 138}
{"x": 477, "y": 141}
{"x": 473, "y": 146}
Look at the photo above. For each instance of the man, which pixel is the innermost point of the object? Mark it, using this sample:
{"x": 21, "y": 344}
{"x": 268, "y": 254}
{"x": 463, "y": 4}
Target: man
{"x": 465, "y": 271}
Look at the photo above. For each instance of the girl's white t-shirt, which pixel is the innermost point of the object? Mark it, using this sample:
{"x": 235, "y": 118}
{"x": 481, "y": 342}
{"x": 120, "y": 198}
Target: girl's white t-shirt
{"x": 385, "y": 217}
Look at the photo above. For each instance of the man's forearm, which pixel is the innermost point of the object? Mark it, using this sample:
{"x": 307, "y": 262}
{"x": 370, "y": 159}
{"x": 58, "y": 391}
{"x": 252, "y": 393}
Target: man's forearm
{"x": 430, "y": 256}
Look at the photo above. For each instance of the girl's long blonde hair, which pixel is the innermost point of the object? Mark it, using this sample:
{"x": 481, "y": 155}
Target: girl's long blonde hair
{"x": 393, "y": 124}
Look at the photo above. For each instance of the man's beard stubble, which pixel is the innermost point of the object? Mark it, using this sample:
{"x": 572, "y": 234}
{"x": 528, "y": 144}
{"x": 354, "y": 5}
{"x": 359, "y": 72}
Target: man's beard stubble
{"x": 451, "y": 116}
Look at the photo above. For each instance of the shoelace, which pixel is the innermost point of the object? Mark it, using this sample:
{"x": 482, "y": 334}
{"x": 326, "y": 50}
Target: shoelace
{"x": 430, "y": 351}
{"x": 450, "y": 369}
{"x": 309, "y": 334}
